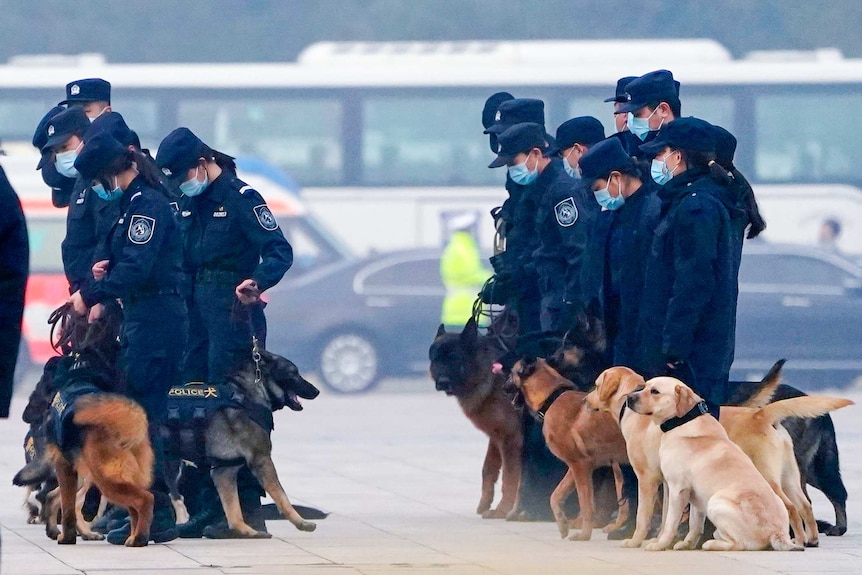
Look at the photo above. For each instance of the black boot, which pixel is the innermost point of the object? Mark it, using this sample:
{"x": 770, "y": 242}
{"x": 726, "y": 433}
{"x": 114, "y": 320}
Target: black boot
{"x": 163, "y": 528}
{"x": 209, "y": 513}
{"x": 113, "y": 518}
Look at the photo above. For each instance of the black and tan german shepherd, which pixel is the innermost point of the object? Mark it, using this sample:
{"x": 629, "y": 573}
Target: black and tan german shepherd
{"x": 236, "y": 436}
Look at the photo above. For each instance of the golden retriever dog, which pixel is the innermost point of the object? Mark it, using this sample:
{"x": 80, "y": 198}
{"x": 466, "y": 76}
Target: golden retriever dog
{"x": 585, "y": 440}
{"x": 704, "y": 468}
{"x": 755, "y": 430}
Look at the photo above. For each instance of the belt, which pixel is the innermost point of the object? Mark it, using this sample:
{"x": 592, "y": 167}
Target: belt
{"x": 213, "y": 276}
{"x": 150, "y": 294}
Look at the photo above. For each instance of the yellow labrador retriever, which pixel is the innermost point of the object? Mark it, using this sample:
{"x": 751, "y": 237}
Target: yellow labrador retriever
{"x": 703, "y": 467}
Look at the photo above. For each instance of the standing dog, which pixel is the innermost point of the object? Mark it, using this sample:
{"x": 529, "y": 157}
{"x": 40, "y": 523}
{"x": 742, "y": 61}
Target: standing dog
{"x": 583, "y": 439}
{"x": 237, "y": 432}
{"x": 461, "y": 365}
{"x": 702, "y": 466}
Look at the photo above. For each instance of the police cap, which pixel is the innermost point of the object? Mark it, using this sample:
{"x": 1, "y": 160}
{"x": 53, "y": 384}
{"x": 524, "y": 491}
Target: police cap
{"x": 584, "y": 130}
{"x": 725, "y": 147}
{"x": 603, "y": 158}
{"x": 87, "y": 90}
{"x": 520, "y": 138}
{"x": 489, "y": 112}
{"x": 517, "y": 111}
{"x": 620, "y": 95}
{"x": 683, "y": 134}
{"x": 111, "y": 123}
{"x": 98, "y": 153}
{"x": 62, "y": 126}
{"x": 40, "y": 137}
{"x": 179, "y": 152}
{"x": 658, "y": 86}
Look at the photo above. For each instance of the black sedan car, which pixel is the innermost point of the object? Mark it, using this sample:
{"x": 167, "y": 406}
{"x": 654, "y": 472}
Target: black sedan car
{"x": 354, "y": 322}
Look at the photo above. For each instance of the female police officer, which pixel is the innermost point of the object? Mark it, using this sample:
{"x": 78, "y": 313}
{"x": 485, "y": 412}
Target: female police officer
{"x": 235, "y": 250}
{"x": 143, "y": 269}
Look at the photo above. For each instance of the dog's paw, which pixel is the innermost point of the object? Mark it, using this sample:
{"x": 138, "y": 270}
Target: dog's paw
{"x": 563, "y": 526}
{"x": 92, "y": 536}
{"x": 576, "y": 523}
{"x": 655, "y": 546}
{"x": 34, "y": 520}
{"x": 139, "y": 541}
{"x": 494, "y": 514}
{"x": 308, "y": 526}
{"x": 513, "y": 515}
{"x": 684, "y": 545}
{"x": 581, "y": 536}
{"x": 260, "y": 535}
{"x": 631, "y": 543}
{"x": 483, "y": 507}
{"x": 811, "y": 543}
{"x": 52, "y": 533}
{"x": 70, "y": 539}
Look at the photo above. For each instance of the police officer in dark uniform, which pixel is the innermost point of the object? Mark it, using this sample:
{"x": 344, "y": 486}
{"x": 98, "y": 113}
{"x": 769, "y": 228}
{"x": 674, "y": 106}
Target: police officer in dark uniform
{"x": 565, "y": 214}
{"x": 652, "y": 102}
{"x": 235, "y": 251}
{"x": 688, "y": 310}
{"x": 92, "y": 95}
{"x": 629, "y": 141}
{"x": 144, "y": 271}
{"x": 14, "y": 270}
{"x": 61, "y": 187}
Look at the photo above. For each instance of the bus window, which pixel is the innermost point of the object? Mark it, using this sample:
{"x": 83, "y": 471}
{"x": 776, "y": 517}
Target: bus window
{"x": 141, "y": 115}
{"x": 590, "y": 106}
{"x": 301, "y": 136}
{"x": 20, "y": 116}
{"x": 807, "y": 137}
{"x": 718, "y": 110}
{"x": 425, "y": 141}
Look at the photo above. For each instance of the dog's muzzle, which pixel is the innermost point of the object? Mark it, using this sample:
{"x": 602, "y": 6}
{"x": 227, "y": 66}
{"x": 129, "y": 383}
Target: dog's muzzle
{"x": 444, "y": 384}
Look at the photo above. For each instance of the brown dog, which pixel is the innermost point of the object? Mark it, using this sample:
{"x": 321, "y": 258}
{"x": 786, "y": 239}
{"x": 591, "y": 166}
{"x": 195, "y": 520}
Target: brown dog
{"x": 461, "y": 366}
{"x": 703, "y": 467}
{"x": 583, "y": 439}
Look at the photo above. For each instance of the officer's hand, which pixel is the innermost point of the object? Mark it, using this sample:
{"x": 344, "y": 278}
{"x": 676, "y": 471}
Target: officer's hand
{"x": 78, "y": 303}
{"x": 95, "y": 312}
{"x": 100, "y": 269}
{"x": 247, "y": 292}
{"x": 680, "y": 369}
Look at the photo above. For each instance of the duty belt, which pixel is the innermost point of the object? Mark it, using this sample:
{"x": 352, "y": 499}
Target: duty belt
{"x": 142, "y": 295}
{"x": 216, "y": 276}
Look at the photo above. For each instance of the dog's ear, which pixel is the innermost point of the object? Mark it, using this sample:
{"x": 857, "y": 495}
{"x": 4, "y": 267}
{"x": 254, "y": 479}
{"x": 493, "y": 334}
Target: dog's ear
{"x": 608, "y": 383}
{"x": 685, "y": 399}
{"x": 440, "y": 330}
{"x": 470, "y": 335}
{"x": 526, "y": 367}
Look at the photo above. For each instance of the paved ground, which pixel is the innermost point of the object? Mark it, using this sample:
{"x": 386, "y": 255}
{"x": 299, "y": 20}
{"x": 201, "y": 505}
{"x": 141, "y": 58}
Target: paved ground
{"x": 399, "y": 470}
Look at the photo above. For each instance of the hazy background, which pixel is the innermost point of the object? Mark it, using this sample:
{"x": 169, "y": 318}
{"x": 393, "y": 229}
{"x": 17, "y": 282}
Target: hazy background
{"x": 273, "y": 30}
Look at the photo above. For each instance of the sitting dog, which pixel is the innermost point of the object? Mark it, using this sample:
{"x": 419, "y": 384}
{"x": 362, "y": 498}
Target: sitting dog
{"x": 461, "y": 366}
{"x": 228, "y": 426}
{"x": 583, "y": 439}
{"x": 703, "y": 467}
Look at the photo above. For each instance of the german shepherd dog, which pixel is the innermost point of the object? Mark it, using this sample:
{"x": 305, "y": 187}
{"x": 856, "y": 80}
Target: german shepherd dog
{"x": 97, "y": 434}
{"x": 232, "y": 436}
{"x": 816, "y": 450}
{"x": 461, "y": 366}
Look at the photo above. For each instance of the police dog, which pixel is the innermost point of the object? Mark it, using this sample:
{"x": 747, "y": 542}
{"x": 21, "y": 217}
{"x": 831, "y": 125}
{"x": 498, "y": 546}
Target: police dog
{"x": 702, "y": 466}
{"x": 235, "y": 435}
{"x": 461, "y": 366}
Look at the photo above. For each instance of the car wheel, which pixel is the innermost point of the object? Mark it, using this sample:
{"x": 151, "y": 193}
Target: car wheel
{"x": 349, "y": 363}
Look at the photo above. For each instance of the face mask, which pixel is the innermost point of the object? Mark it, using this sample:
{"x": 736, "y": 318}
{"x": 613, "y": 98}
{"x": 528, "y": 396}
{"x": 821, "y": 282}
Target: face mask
{"x": 193, "y": 187}
{"x": 97, "y": 115}
{"x": 639, "y": 126}
{"x": 106, "y": 195}
{"x": 522, "y": 175}
{"x": 607, "y": 201}
{"x": 573, "y": 172}
{"x": 65, "y": 164}
{"x": 660, "y": 172}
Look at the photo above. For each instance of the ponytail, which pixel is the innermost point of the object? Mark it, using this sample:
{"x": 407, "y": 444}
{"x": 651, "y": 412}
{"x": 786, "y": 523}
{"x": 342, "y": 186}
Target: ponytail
{"x": 756, "y": 223}
{"x": 221, "y": 159}
{"x": 719, "y": 173}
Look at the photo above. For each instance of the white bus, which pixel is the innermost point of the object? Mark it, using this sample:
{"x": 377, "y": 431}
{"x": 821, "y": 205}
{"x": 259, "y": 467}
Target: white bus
{"x": 382, "y": 137}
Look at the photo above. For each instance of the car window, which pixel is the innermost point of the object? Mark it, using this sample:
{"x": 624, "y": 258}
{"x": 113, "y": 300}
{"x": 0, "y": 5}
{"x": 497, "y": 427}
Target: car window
{"x": 421, "y": 273}
{"x": 790, "y": 269}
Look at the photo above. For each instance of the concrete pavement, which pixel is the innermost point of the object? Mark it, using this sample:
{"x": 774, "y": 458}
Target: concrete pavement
{"x": 399, "y": 469}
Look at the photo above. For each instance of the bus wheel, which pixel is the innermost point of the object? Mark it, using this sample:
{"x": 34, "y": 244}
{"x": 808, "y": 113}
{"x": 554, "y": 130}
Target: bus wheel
{"x": 349, "y": 363}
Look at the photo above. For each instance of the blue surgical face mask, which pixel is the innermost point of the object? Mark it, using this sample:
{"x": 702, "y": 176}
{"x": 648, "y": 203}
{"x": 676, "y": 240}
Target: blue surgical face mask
{"x": 640, "y": 126}
{"x": 193, "y": 187}
{"x": 106, "y": 195}
{"x": 606, "y": 200}
{"x": 65, "y": 164}
{"x": 660, "y": 172}
{"x": 522, "y": 175}
{"x": 573, "y": 172}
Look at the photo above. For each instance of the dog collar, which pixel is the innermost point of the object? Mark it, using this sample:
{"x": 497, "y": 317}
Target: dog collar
{"x": 700, "y": 409}
{"x": 546, "y": 405}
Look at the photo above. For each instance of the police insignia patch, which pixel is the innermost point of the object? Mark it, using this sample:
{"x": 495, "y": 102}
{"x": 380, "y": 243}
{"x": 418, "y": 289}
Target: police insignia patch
{"x": 141, "y": 229}
{"x": 497, "y": 116}
{"x": 74, "y": 90}
{"x": 50, "y": 130}
{"x": 265, "y": 218}
{"x": 167, "y": 172}
{"x": 566, "y": 212}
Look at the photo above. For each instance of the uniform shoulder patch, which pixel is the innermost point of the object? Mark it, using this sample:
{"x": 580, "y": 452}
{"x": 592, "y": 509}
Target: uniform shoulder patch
{"x": 265, "y": 218}
{"x": 141, "y": 229}
{"x": 566, "y": 212}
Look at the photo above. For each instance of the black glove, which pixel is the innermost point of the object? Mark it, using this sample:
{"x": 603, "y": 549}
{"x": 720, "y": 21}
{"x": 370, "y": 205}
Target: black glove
{"x": 681, "y": 370}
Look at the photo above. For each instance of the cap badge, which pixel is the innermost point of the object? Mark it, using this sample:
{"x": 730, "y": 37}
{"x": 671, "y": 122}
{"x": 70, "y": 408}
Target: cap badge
{"x": 497, "y": 116}
{"x": 50, "y": 130}
{"x": 627, "y": 97}
{"x": 74, "y": 90}
{"x": 167, "y": 172}
{"x": 499, "y": 147}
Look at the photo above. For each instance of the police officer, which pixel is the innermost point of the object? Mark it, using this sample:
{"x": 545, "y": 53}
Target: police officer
{"x": 688, "y": 310}
{"x": 652, "y": 101}
{"x": 619, "y": 98}
{"x": 143, "y": 269}
{"x": 92, "y": 95}
{"x": 14, "y": 270}
{"x": 61, "y": 187}
{"x": 565, "y": 214}
{"x": 235, "y": 251}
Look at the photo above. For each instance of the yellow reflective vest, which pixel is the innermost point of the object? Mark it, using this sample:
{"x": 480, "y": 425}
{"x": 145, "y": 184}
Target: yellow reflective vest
{"x": 463, "y": 274}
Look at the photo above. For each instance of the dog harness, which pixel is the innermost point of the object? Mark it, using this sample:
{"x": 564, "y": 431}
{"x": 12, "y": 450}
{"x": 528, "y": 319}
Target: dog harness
{"x": 62, "y": 429}
{"x": 700, "y": 409}
{"x": 192, "y": 406}
{"x": 546, "y": 405}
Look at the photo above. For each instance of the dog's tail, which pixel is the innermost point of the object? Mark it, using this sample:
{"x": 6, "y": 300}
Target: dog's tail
{"x": 115, "y": 417}
{"x": 34, "y": 473}
{"x": 808, "y": 406}
{"x": 766, "y": 387}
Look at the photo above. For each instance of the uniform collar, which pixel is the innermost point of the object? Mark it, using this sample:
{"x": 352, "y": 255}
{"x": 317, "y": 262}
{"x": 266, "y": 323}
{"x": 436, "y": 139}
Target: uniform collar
{"x": 134, "y": 187}
{"x": 215, "y": 191}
